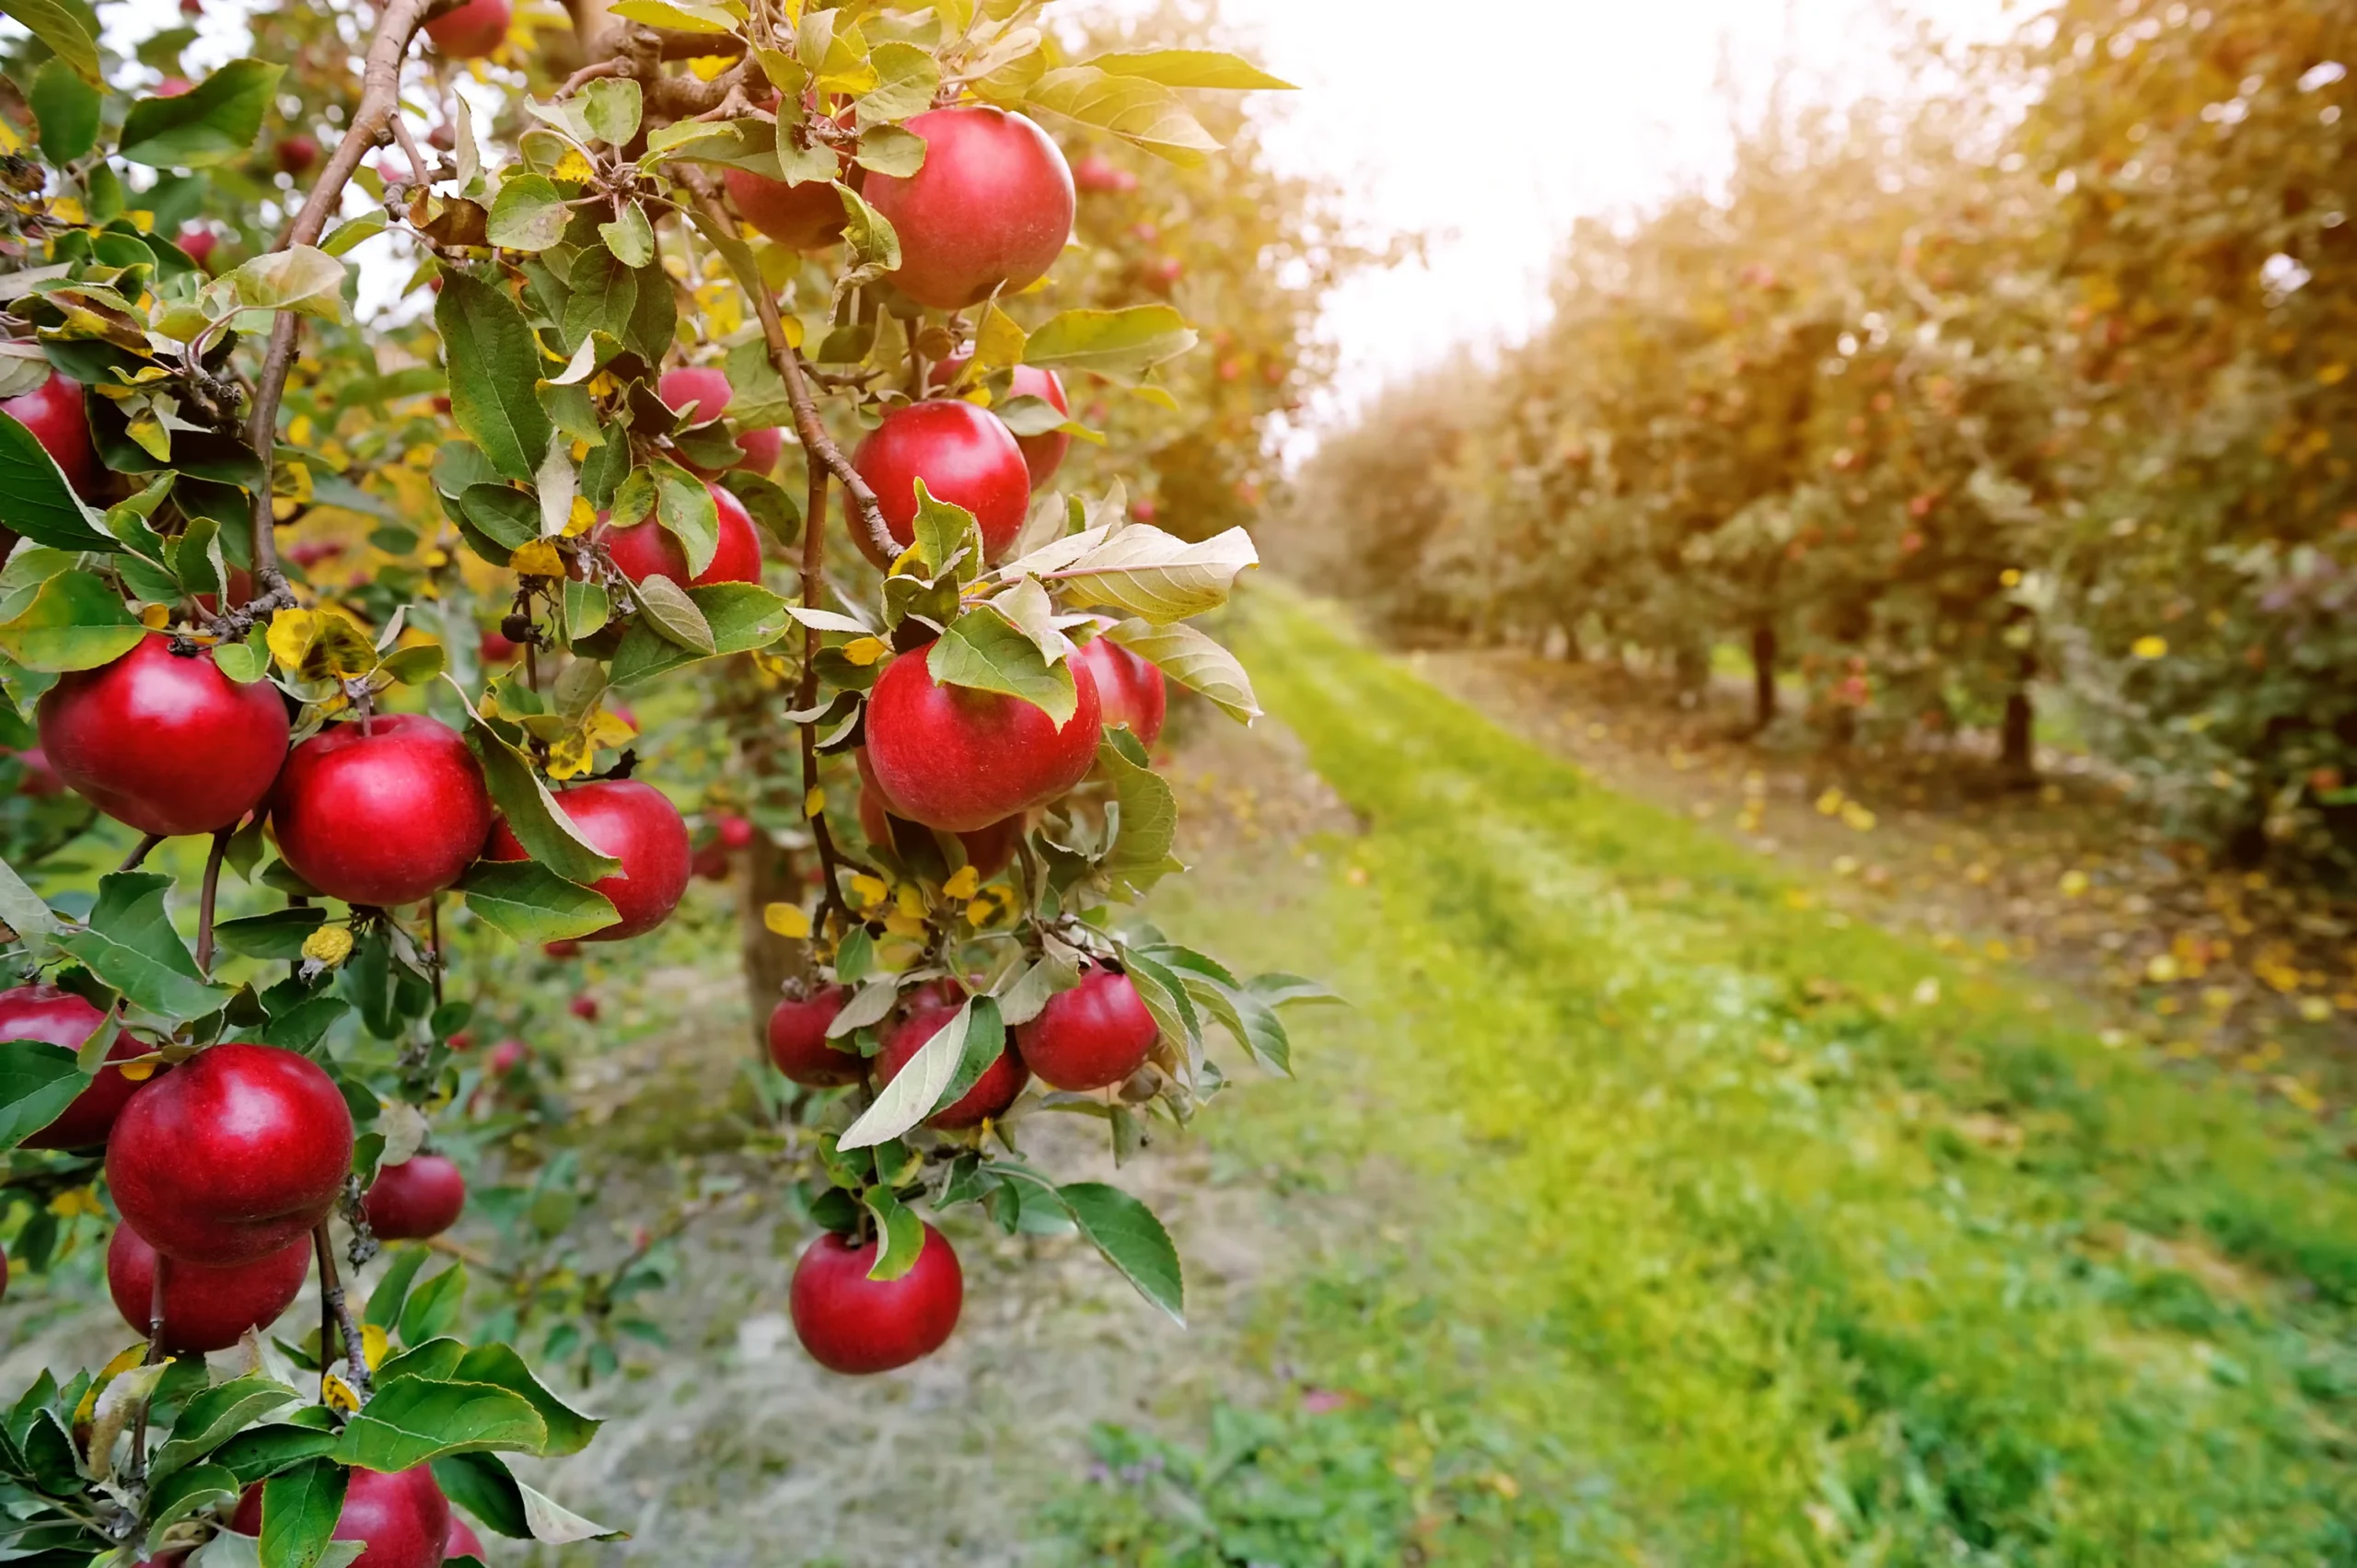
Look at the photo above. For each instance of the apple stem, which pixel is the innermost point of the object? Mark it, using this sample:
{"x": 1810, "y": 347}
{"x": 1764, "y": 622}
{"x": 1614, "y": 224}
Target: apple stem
{"x": 208, "y": 893}
{"x": 137, "y": 1463}
{"x": 130, "y": 862}
{"x": 335, "y": 1317}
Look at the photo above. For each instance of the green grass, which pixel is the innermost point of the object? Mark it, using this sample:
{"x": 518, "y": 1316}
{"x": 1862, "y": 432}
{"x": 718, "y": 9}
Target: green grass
{"x": 1710, "y": 1234}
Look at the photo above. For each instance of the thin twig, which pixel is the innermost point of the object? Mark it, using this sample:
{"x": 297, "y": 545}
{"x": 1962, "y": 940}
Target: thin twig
{"x": 434, "y": 936}
{"x": 130, "y": 862}
{"x": 206, "y": 896}
{"x": 805, "y": 696}
{"x": 417, "y": 163}
{"x": 138, "y": 1461}
{"x": 336, "y": 1313}
{"x": 380, "y": 86}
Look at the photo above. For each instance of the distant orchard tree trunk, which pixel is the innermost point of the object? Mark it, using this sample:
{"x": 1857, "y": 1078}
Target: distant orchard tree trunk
{"x": 771, "y": 876}
{"x": 1764, "y": 676}
{"x": 2017, "y": 758}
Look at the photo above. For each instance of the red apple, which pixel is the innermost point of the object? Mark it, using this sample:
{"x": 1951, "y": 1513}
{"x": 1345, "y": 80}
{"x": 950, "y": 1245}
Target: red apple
{"x": 798, "y": 1043}
{"x": 40, "y": 780}
{"x": 418, "y": 1198}
{"x": 988, "y": 851}
{"x": 998, "y": 1087}
{"x": 697, "y": 392}
{"x": 647, "y": 549}
{"x": 54, "y": 412}
{"x": 991, "y": 209}
{"x": 584, "y": 1007}
{"x": 310, "y": 552}
{"x": 961, "y": 759}
{"x": 563, "y": 947}
{"x": 173, "y": 87}
{"x": 204, "y": 1308}
{"x": 736, "y": 832}
{"x": 296, "y": 153}
{"x": 853, "y": 1324}
{"x": 762, "y": 449}
{"x": 634, "y": 823}
{"x": 712, "y": 861}
{"x": 1096, "y": 175}
{"x": 804, "y": 216}
{"x": 230, "y": 1156}
{"x": 403, "y": 1516}
{"x": 506, "y": 1056}
{"x": 1097, "y": 1033}
{"x": 464, "y": 1542}
{"x": 493, "y": 647}
{"x": 196, "y": 241}
{"x": 1144, "y": 510}
{"x": 472, "y": 30}
{"x": 1162, "y": 274}
{"x": 1042, "y": 455}
{"x": 1130, "y": 690}
{"x": 386, "y": 816}
{"x": 170, "y": 745}
{"x": 964, "y": 455}
{"x": 59, "y": 1017}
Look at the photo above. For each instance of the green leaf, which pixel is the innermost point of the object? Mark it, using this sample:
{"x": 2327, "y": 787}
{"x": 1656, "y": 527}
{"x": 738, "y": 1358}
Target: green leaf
{"x": 680, "y": 16}
{"x": 984, "y": 651}
{"x": 531, "y": 812}
{"x": 415, "y": 1420}
{"x": 630, "y": 237}
{"x": 432, "y": 1307}
{"x": 35, "y": 499}
{"x": 61, "y": 30}
{"x": 684, "y": 506}
{"x": 174, "y": 1496}
{"x": 901, "y": 1228}
{"x": 1139, "y": 110}
{"x": 23, "y": 911}
{"x": 493, "y": 381}
{"x": 1154, "y": 575}
{"x": 1149, "y": 825}
{"x": 1120, "y": 345}
{"x": 351, "y": 232}
{"x": 506, "y": 515}
{"x": 586, "y": 608}
{"x": 942, "y": 532}
{"x": 890, "y": 149}
{"x": 569, "y": 1430}
{"x": 529, "y": 213}
{"x": 66, "y": 106}
{"x": 301, "y": 278}
{"x": 907, "y": 78}
{"x": 280, "y": 934}
{"x": 384, "y": 1301}
{"x": 1195, "y": 662}
{"x": 263, "y": 1450}
{"x": 212, "y": 123}
{"x": 1133, "y": 1240}
{"x": 666, "y": 605}
{"x": 1189, "y": 68}
{"x": 131, "y": 945}
{"x": 37, "y": 1081}
{"x": 944, "y": 1068}
{"x": 299, "y": 1508}
{"x": 742, "y": 616}
{"x": 532, "y": 903}
{"x": 436, "y": 1359}
{"x": 611, "y": 105}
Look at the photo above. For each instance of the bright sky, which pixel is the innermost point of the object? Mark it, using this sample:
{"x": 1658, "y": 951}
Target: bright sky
{"x": 1599, "y": 105}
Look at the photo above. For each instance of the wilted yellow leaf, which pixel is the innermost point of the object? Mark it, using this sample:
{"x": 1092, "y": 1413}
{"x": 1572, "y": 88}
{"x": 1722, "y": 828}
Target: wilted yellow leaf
{"x": 786, "y": 919}
{"x": 2150, "y": 646}
{"x": 538, "y": 559}
{"x": 864, "y": 651}
{"x": 962, "y": 884}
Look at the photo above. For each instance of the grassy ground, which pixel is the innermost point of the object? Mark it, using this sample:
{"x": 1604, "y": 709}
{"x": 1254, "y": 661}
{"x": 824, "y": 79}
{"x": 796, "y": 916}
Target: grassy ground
{"x": 1714, "y": 1229}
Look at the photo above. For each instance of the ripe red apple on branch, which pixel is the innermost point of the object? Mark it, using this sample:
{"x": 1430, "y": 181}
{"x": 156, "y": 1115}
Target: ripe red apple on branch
{"x": 60, "y": 1017}
{"x": 648, "y": 549}
{"x": 999, "y": 1088}
{"x": 964, "y": 457}
{"x": 54, "y": 413}
{"x": 421, "y": 1196}
{"x": 404, "y": 1518}
{"x": 989, "y": 209}
{"x": 165, "y": 742}
{"x": 853, "y": 1324}
{"x": 383, "y": 813}
{"x": 206, "y": 1309}
{"x": 798, "y": 1044}
{"x": 964, "y": 759}
{"x": 631, "y": 823}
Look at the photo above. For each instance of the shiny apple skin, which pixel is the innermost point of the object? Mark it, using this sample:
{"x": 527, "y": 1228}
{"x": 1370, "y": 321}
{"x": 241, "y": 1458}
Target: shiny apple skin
{"x": 991, "y": 209}
{"x": 204, "y": 1308}
{"x": 647, "y": 550}
{"x": 385, "y": 818}
{"x": 1091, "y": 1036}
{"x": 857, "y": 1325}
{"x": 798, "y": 1043}
{"x": 230, "y": 1156}
{"x": 965, "y": 456}
{"x": 961, "y": 759}
{"x": 54, "y": 413}
{"x": 635, "y": 824}
{"x": 472, "y": 30}
{"x": 1042, "y": 455}
{"x": 165, "y": 744}
{"x": 1130, "y": 690}
{"x": 421, "y": 1196}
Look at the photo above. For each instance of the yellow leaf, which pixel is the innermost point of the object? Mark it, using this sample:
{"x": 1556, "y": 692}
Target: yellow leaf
{"x": 963, "y": 883}
{"x": 815, "y": 804}
{"x": 298, "y": 430}
{"x": 77, "y": 1200}
{"x": 2161, "y": 968}
{"x": 138, "y": 1071}
{"x": 2073, "y": 885}
{"x": 608, "y": 729}
{"x": 569, "y": 757}
{"x": 2332, "y": 374}
{"x": 155, "y": 617}
{"x": 707, "y": 66}
{"x": 337, "y": 1395}
{"x": 2149, "y": 646}
{"x": 864, "y": 651}
{"x": 573, "y": 167}
{"x": 1829, "y": 803}
{"x": 869, "y": 891}
{"x": 581, "y": 519}
{"x": 787, "y": 920}
{"x": 329, "y": 944}
{"x": 910, "y": 898}
{"x": 67, "y": 209}
{"x": 909, "y": 925}
{"x": 538, "y": 559}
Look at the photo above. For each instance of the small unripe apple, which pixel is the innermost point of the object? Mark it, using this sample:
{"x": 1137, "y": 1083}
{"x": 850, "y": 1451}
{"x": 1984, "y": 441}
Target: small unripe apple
{"x": 472, "y": 30}
{"x": 990, "y": 210}
{"x": 798, "y": 1043}
{"x": 386, "y": 816}
{"x": 634, "y": 823}
{"x": 1042, "y": 455}
{"x": 59, "y": 1017}
{"x": 403, "y": 1517}
{"x": 196, "y": 241}
{"x": 1130, "y": 690}
{"x": 962, "y": 760}
{"x": 851, "y": 1324}
{"x": 204, "y": 1308}
{"x": 988, "y": 851}
{"x": 999, "y": 1087}
{"x": 169, "y": 745}
{"x": 54, "y": 412}
{"x": 231, "y": 1155}
{"x": 964, "y": 455}
{"x": 296, "y": 153}
{"x": 647, "y": 550}
{"x": 1094, "y": 1035}
{"x": 802, "y": 218}
{"x": 420, "y": 1197}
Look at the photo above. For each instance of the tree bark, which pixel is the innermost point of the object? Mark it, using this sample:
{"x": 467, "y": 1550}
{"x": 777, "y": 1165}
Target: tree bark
{"x": 2017, "y": 758}
{"x": 1764, "y": 676}
{"x": 771, "y": 876}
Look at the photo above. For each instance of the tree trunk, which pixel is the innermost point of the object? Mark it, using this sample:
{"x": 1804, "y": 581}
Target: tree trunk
{"x": 2017, "y": 758}
{"x": 1764, "y": 676}
{"x": 770, "y": 960}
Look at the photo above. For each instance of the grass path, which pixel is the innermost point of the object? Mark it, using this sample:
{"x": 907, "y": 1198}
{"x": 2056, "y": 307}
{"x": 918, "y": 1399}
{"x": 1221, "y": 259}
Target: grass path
{"x": 1720, "y": 1231}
